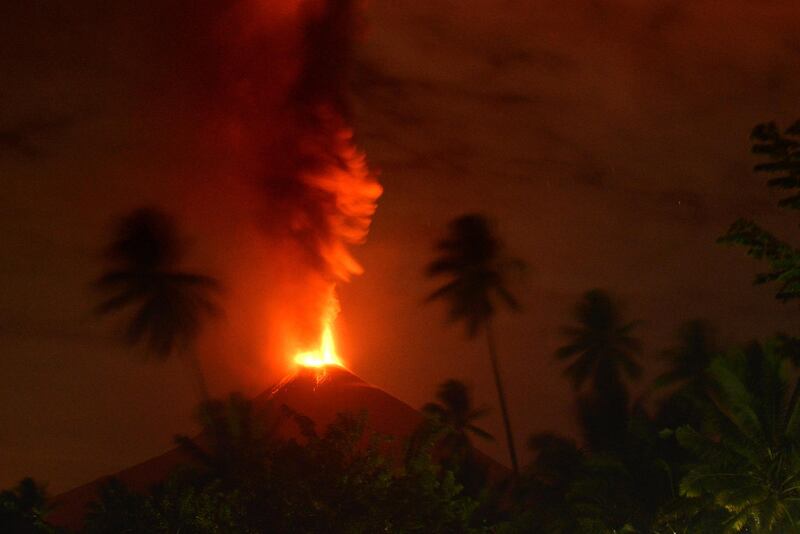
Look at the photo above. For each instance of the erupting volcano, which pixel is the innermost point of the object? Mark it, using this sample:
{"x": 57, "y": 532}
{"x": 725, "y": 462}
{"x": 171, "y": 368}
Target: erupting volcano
{"x": 314, "y": 197}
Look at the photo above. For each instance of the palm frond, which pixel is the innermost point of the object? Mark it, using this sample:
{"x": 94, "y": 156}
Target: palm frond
{"x": 167, "y": 304}
{"x": 119, "y": 301}
{"x": 600, "y": 343}
{"x": 470, "y": 256}
{"x": 736, "y": 398}
{"x": 480, "y": 432}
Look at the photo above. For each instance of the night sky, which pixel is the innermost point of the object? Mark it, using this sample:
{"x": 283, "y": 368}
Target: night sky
{"x": 607, "y": 139}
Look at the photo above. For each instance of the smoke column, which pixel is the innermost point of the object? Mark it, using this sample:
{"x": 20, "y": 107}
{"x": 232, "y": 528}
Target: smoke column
{"x": 286, "y": 121}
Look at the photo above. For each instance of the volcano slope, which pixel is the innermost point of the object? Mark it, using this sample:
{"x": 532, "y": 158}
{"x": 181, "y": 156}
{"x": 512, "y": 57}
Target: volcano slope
{"x": 319, "y": 395}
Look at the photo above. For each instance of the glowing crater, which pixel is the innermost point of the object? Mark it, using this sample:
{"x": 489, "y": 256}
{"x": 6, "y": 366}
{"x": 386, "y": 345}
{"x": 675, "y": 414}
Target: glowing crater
{"x": 322, "y": 357}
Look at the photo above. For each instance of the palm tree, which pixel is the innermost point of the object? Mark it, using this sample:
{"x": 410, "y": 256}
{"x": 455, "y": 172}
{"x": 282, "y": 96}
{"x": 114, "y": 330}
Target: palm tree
{"x": 470, "y": 256}
{"x": 689, "y": 360}
{"x": 687, "y": 369}
{"x": 601, "y": 347}
{"x": 168, "y": 304}
{"x": 747, "y": 463}
{"x": 457, "y": 414}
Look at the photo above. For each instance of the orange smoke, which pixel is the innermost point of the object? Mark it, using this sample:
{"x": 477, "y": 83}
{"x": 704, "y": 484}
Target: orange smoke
{"x": 279, "y": 90}
{"x": 354, "y": 191}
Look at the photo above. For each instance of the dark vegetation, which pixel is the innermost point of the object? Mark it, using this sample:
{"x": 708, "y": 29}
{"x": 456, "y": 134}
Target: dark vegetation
{"x": 713, "y": 445}
{"x": 250, "y": 481}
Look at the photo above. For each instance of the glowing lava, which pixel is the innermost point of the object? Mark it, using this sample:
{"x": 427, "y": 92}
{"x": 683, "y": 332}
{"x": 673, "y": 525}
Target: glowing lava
{"x": 322, "y": 357}
{"x": 326, "y": 354}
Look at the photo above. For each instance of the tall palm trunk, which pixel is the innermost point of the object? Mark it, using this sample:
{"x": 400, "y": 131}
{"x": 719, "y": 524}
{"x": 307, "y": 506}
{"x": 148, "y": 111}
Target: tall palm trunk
{"x": 512, "y": 452}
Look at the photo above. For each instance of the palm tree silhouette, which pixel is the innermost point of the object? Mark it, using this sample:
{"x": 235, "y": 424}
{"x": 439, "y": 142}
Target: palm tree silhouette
{"x": 689, "y": 360}
{"x": 601, "y": 346}
{"x": 168, "y": 304}
{"x": 471, "y": 257}
{"x": 457, "y": 414}
{"x": 687, "y": 373}
{"x": 601, "y": 349}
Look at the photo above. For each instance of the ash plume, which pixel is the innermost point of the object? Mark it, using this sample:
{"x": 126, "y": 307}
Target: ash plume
{"x": 314, "y": 192}
{"x": 321, "y": 194}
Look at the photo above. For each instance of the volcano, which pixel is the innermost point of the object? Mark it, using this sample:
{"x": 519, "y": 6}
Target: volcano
{"x": 319, "y": 394}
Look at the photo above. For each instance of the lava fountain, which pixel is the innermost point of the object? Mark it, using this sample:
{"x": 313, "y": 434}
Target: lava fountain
{"x": 326, "y": 354}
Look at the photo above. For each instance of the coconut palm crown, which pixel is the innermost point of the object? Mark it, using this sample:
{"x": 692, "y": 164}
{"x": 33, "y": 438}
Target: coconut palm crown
{"x": 167, "y": 305}
{"x": 601, "y": 347}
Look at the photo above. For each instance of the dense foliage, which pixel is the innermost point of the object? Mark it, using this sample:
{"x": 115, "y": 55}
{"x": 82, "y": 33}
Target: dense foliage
{"x": 781, "y": 152}
{"x": 250, "y": 482}
{"x": 23, "y": 508}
